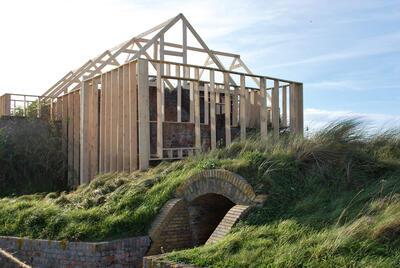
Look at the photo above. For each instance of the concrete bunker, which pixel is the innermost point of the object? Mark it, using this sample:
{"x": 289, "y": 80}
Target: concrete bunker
{"x": 205, "y": 209}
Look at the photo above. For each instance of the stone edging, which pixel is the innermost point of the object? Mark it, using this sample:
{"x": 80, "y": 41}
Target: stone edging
{"x": 50, "y": 253}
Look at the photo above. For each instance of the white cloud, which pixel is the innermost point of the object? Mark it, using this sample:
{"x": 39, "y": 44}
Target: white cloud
{"x": 42, "y": 40}
{"x": 371, "y": 46}
{"x": 315, "y": 119}
{"x": 335, "y": 85}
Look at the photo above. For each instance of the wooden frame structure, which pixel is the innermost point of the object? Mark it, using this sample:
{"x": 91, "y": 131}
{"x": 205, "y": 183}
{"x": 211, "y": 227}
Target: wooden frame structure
{"x": 146, "y": 100}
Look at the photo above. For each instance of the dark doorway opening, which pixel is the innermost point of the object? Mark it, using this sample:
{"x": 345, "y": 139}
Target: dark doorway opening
{"x": 205, "y": 213}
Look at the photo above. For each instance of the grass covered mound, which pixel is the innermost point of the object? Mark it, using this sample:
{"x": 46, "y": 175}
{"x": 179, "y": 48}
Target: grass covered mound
{"x": 111, "y": 206}
{"x": 318, "y": 186}
{"x": 333, "y": 202}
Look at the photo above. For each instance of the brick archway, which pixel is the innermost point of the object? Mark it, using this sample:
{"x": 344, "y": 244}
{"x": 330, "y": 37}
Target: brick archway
{"x": 218, "y": 181}
{"x": 206, "y": 207}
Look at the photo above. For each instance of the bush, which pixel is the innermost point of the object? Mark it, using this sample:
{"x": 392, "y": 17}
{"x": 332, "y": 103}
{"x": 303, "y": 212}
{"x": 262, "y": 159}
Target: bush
{"x": 31, "y": 159}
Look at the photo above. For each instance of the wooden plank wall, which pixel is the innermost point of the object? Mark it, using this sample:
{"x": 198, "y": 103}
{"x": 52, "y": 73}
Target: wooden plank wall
{"x": 106, "y": 124}
{"x": 67, "y": 110}
{"x": 112, "y": 122}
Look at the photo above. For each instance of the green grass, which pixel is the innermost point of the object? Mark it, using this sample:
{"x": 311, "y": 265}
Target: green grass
{"x": 112, "y": 206}
{"x": 333, "y": 200}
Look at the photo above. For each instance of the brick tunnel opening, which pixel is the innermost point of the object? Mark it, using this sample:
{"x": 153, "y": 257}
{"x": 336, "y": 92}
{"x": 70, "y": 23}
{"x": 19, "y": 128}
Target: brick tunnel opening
{"x": 205, "y": 213}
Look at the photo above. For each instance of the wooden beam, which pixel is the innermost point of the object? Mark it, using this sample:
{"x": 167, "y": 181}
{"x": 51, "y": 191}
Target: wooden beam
{"x": 243, "y": 102}
{"x": 235, "y": 107}
{"x": 263, "y": 109}
{"x": 204, "y": 45}
{"x": 173, "y": 53}
{"x": 144, "y": 114}
{"x": 184, "y": 43}
{"x": 102, "y": 125}
{"x": 126, "y": 99}
{"x": 107, "y": 135}
{"x": 64, "y": 130}
{"x": 206, "y": 104}
{"x": 197, "y": 129}
{"x": 84, "y": 138}
{"x": 158, "y": 35}
{"x": 179, "y": 95}
{"x": 160, "y": 111}
{"x": 191, "y": 101}
{"x": 114, "y": 121}
{"x": 227, "y": 96}
{"x": 70, "y": 141}
{"x": 275, "y": 109}
{"x": 120, "y": 123}
{"x": 76, "y": 144}
{"x": 196, "y": 49}
{"x": 133, "y": 109}
{"x": 212, "y": 111}
{"x": 284, "y": 106}
{"x": 296, "y": 109}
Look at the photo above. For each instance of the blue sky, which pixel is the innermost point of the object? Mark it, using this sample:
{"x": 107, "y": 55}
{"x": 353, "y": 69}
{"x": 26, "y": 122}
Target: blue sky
{"x": 347, "y": 53}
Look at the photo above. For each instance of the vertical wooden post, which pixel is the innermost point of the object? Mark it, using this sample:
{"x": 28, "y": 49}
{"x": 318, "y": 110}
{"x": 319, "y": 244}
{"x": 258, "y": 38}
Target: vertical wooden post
{"x": 51, "y": 108}
{"x": 120, "y": 114}
{"x": 206, "y": 104}
{"x": 1, "y": 105}
{"x": 184, "y": 43}
{"x": 102, "y": 124}
{"x": 284, "y": 106}
{"x": 84, "y": 152}
{"x": 107, "y": 135}
{"x": 133, "y": 109}
{"x": 243, "y": 102}
{"x": 299, "y": 111}
{"x": 7, "y": 104}
{"x": 70, "y": 140}
{"x": 162, "y": 51}
{"x": 275, "y": 108}
{"x": 38, "y": 108}
{"x": 160, "y": 111}
{"x": 212, "y": 111}
{"x": 235, "y": 108}
{"x": 94, "y": 167}
{"x": 144, "y": 114}
{"x": 191, "y": 101}
{"x": 64, "y": 130}
{"x": 114, "y": 121}
{"x": 227, "y": 110}
{"x": 292, "y": 108}
{"x": 126, "y": 106}
{"x": 263, "y": 109}
{"x": 179, "y": 95}
{"x": 197, "y": 129}
{"x": 76, "y": 138}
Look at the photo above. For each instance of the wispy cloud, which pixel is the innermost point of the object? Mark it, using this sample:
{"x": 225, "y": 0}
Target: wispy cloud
{"x": 376, "y": 45}
{"x": 315, "y": 119}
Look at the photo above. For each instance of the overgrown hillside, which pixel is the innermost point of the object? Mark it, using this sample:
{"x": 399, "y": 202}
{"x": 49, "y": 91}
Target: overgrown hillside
{"x": 333, "y": 201}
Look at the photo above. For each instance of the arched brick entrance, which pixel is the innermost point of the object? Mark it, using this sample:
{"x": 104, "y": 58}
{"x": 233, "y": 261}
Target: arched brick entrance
{"x": 206, "y": 206}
